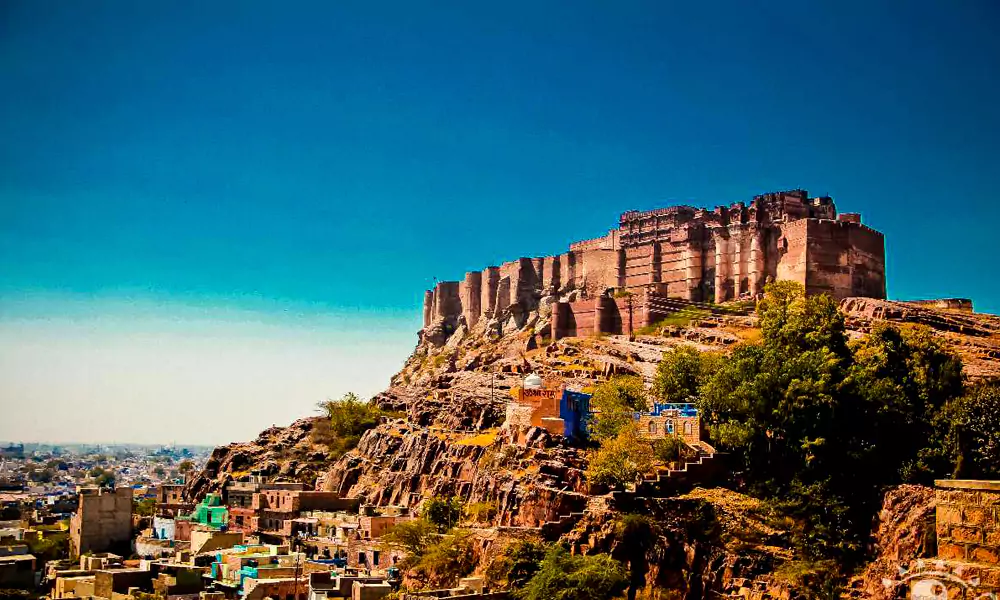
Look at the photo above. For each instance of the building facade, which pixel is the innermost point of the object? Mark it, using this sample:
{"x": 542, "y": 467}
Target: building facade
{"x": 102, "y": 521}
{"x": 678, "y": 253}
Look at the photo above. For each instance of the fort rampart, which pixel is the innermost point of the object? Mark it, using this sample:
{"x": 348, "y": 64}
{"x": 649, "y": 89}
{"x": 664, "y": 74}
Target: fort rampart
{"x": 676, "y": 253}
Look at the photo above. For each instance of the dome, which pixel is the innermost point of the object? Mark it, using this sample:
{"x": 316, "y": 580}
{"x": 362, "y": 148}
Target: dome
{"x": 532, "y": 382}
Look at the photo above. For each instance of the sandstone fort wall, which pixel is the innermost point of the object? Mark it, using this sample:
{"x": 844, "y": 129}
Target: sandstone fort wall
{"x": 681, "y": 252}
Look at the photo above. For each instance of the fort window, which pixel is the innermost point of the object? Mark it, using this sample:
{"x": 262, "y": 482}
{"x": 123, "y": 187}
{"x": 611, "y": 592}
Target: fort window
{"x": 687, "y": 428}
{"x": 652, "y": 427}
{"x": 670, "y": 426}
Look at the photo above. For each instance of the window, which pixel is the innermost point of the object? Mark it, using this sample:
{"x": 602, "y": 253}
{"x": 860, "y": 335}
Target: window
{"x": 687, "y": 427}
{"x": 670, "y": 425}
{"x": 652, "y": 427}
{"x": 375, "y": 557}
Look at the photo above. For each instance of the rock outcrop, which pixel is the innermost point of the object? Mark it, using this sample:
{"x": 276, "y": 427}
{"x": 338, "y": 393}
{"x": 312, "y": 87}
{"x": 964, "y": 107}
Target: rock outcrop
{"x": 446, "y": 438}
{"x": 279, "y": 453}
{"x": 904, "y": 532}
{"x": 974, "y": 336}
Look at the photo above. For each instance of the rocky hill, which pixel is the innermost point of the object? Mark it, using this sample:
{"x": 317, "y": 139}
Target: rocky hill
{"x": 452, "y": 394}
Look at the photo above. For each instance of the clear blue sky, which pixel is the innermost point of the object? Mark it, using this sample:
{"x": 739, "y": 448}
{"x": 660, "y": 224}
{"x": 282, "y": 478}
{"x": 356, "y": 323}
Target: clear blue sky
{"x": 285, "y": 178}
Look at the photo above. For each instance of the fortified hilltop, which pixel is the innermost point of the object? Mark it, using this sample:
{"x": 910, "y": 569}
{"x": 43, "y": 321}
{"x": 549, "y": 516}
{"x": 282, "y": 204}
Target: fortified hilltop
{"x": 633, "y": 276}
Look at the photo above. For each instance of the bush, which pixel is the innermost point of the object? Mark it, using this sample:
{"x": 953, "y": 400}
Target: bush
{"x": 347, "y": 420}
{"x": 445, "y": 561}
{"x": 568, "y": 577}
{"x": 621, "y": 460}
{"x": 145, "y": 507}
{"x": 669, "y": 449}
{"x": 517, "y": 564}
{"x": 615, "y": 403}
{"x": 443, "y": 513}
{"x": 412, "y": 536}
{"x": 481, "y": 512}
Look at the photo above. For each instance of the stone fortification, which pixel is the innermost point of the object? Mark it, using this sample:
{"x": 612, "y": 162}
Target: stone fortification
{"x": 680, "y": 252}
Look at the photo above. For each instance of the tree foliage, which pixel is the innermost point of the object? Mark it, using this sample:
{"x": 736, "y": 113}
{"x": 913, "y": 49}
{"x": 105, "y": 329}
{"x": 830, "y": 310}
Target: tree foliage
{"x": 821, "y": 425}
{"x": 442, "y": 513}
{"x": 563, "y": 576}
{"x": 973, "y": 437}
{"x": 681, "y": 372}
{"x": 145, "y": 507}
{"x": 622, "y": 459}
{"x": 412, "y": 536}
{"x": 445, "y": 560}
{"x": 347, "y": 420}
{"x": 614, "y": 404}
{"x": 481, "y": 512}
{"x": 636, "y": 539}
{"x": 517, "y": 564}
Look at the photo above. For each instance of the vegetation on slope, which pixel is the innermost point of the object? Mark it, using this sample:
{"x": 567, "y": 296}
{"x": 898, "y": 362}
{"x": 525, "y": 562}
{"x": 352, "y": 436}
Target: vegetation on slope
{"x": 347, "y": 419}
{"x": 822, "y": 427}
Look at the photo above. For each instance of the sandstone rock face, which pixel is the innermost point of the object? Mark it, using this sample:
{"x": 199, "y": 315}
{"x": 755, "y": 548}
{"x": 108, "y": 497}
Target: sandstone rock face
{"x": 702, "y": 547}
{"x": 396, "y": 464}
{"x": 974, "y": 336}
{"x": 281, "y": 453}
{"x": 905, "y": 532}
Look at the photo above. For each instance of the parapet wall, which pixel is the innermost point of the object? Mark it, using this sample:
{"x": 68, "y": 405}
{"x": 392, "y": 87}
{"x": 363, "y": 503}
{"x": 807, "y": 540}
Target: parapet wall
{"x": 687, "y": 253}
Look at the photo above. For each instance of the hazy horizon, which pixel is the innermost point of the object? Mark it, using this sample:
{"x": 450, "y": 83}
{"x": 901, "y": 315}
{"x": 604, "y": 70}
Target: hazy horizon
{"x": 216, "y": 215}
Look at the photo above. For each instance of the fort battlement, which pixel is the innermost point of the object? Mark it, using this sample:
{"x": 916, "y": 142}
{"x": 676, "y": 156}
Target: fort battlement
{"x": 684, "y": 253}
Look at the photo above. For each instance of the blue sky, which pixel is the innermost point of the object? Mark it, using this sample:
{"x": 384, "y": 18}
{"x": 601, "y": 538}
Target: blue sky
{"x": 288, "y": 177}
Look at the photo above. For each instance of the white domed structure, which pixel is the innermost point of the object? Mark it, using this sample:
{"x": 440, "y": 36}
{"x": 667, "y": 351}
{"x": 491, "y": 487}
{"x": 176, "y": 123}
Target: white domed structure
{"x": 532, "y": 382}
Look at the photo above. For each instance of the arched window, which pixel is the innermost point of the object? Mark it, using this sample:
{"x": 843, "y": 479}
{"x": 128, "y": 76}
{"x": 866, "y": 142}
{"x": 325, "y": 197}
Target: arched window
{"x": 670, "y": 425}
{"x": 687, "y": 427}
{"x": 652, "y": 427}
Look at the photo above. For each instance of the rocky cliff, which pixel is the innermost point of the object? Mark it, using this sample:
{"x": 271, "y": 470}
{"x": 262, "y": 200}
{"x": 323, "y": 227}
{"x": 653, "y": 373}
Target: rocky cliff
{"x": 452, "y": 394}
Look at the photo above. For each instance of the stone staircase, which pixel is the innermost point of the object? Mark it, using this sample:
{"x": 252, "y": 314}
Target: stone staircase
{"x": 665, "y": 483}
{"x": 553, "y": 529}
{"x": 668, "y": 482}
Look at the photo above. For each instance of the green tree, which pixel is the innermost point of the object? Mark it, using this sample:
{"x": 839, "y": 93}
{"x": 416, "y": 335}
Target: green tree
{"x": 185, "y": 466}
{"x": 481, "y": 512}
{"x": 412, "y": 536}
{"x": 973, "y": 432}
{"x": 445, "y": 560}
{"x": 904, "y": 378}
{"x": 636, "y": 539}
{"x": 517, "y": 564}
{"x": 564, "y": 576}
{"x": 443, "y": 513}
{"x": 347, "y": 420}
{"x": 622, "y": 459}
{"x": 822, "y": 426}
{"x": 682, "y": 372}
{"x": 42, "y": 475}
{"x": 669, "y": 449}
{"x": 614, "y": 404}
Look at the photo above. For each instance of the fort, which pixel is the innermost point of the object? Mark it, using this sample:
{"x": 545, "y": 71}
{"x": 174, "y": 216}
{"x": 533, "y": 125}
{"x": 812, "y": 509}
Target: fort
{"x": 640, "y": 271}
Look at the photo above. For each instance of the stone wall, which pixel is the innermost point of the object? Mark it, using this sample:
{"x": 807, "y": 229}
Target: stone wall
{"x": 968, "y": 521}
{"x": 687, "y": 253}
{"x": 103, "y": 519}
